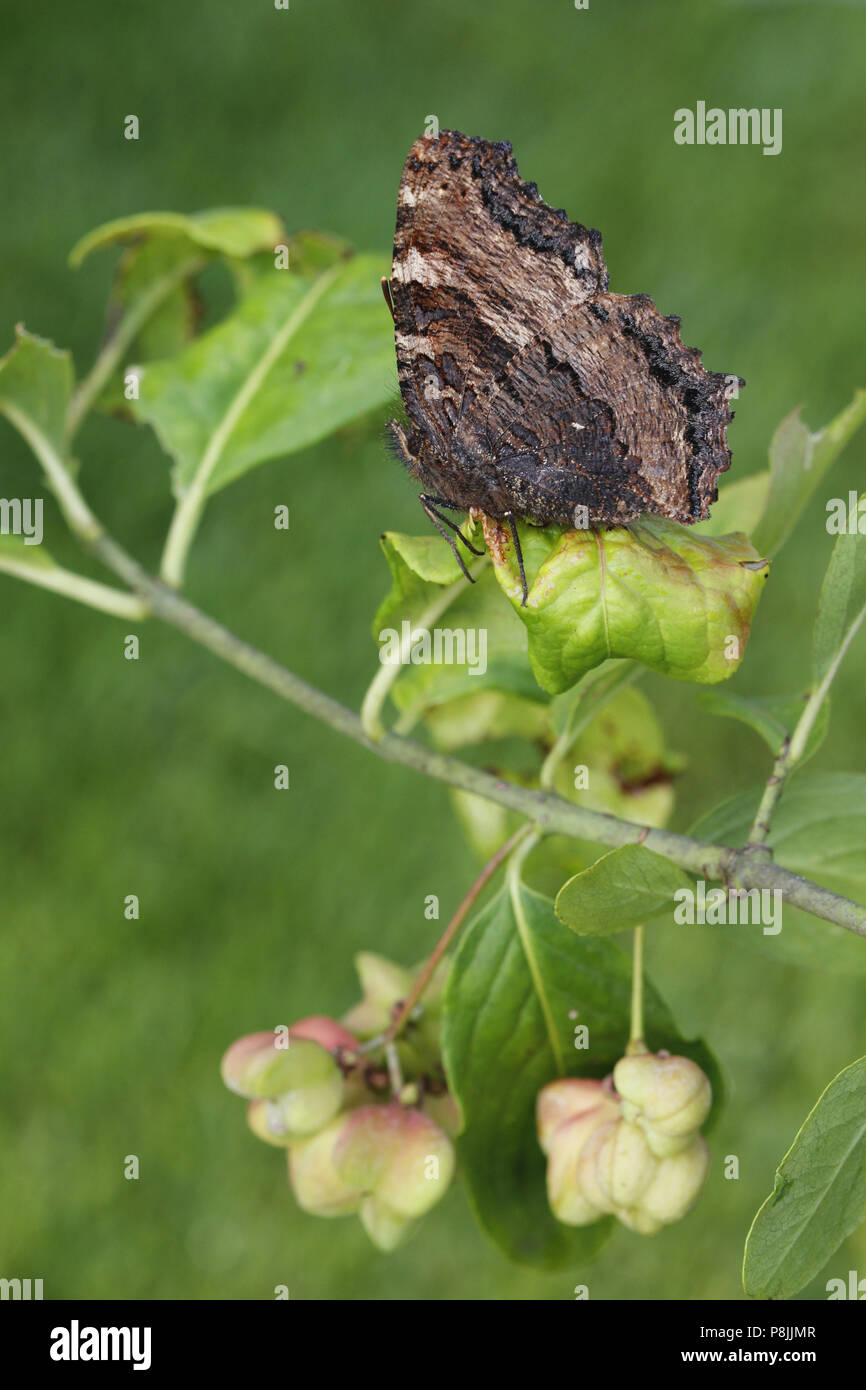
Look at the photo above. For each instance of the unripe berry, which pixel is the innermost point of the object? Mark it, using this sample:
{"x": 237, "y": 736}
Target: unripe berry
{"x": 624, "y": 1164}
{"x": 677, "y": 1183}
{"x": 563, "y": 1100}
{"x": 399, "y": 1156}
{"x": 264, "y": 1126}
{"x": 385, "y": 1227}
{"x": 669, "y": 1097}
{"x": 326, "y": 1031}
{"x": 301, "y": 1083}
{"x": 589, "y": 1173}
{"x": 569, "y": 1199}
{"x": 317, "y": 1185}
{"x": 636, "y": 1220}
{"x": 383, "y": 985}
{"x": 257, "y": 1068}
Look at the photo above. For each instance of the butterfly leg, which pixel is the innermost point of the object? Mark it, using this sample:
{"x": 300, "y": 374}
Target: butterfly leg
{"x": 434, "y": 516}
{"x": 435, "y": 503}
{"x": 519, "y": 553}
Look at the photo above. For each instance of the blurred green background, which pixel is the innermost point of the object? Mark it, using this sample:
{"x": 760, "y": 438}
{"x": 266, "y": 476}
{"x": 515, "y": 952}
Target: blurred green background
{"x": 156, "y": 777}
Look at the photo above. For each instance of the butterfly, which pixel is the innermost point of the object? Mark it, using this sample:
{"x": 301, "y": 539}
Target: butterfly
{"x": 531, "y": 392}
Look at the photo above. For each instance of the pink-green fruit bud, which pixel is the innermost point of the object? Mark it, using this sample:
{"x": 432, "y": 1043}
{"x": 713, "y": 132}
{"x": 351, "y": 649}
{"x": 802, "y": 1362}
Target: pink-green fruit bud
{"x": 588, "y": 1173}
{"x": 382, "y": 980}
{"x": 260, "y": 1067}
{"x": 625, "y": 1164}
{"x": 260, "y": 1120}
{"x": 665, "y": 1145}
{"x": 245, "y": 1060}
{"x": 638, "y": 1221}
{"x": 317, "y": 1185}
{"x": 569, "y": 1200}
{"x": 306, "y": 1109}
{"x": 563, "y": 1100}
{"x": 385, "y": 1227}
{"x": 325, "y": 1031}
{"x": 383, "y": 984}
{"x": 677, "y": 1184}
{"x": 398, "y": 1155}
{"x": 670, "y": 1094}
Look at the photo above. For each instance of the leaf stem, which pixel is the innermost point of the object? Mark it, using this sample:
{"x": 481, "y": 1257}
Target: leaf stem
{"x": 395, "y": 1074}
{"x": 79, "y": 517}
{"x": 75, "y": 586}
{"x": 636, "y": 1040}
{"x": 91, "y": 386}
{"x": 380, "y": 685}
{"x": 514, "y": 884}
{"x": 793, "y": 747}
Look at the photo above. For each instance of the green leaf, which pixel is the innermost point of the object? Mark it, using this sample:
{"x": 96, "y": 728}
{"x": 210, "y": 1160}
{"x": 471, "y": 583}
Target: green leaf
{"x": 483, "y": 626}
{"x": 807, "y": 942}
{"x": 622, "y": 889}
{"x": 842, "y": 606}
{"x": 485, "y": 717}
{"x": 799, "y": 460}
{"x": 771, "y": 716}
{"x": 572, "y": 712}
{"x": 818, "y": 829}
{"x": 154, "y": 291}
{"x": 819, "y": 1193}
{"x": 630, "y": 774}
{"x": 301, "y": 355}
{"x": 153, "y": 308}
{"x": 627, "y": 760}
{"x": 35, "y": 387}
{"x": 653, "y": 591}
{"x": 518, "y": 982}
{"x": 419, "y": 565}
{"x": 739, "y": 506}
{"x": 227, "y": 231}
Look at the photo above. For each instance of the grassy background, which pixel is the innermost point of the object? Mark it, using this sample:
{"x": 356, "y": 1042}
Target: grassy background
{"x": 155, "y": 777}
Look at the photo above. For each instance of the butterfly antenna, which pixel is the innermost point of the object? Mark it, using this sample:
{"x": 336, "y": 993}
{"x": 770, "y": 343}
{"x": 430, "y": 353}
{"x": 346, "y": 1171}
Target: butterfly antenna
{"x": 519, "y": 553}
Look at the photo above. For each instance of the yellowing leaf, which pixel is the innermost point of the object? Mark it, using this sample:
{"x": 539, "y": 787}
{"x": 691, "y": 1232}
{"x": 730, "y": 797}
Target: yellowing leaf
{"x": 679, "y": 603}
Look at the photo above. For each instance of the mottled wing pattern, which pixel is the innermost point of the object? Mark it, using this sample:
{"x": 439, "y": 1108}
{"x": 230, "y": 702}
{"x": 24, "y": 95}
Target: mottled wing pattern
{"x": 479, "y": 259}
{"x": 621, "y": 405}
{"x": 530, "y": 388}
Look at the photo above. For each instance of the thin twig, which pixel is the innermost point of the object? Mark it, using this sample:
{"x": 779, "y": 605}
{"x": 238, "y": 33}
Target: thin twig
{"x": 549, "y": 813}
{"x": 636, "y": 1041}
